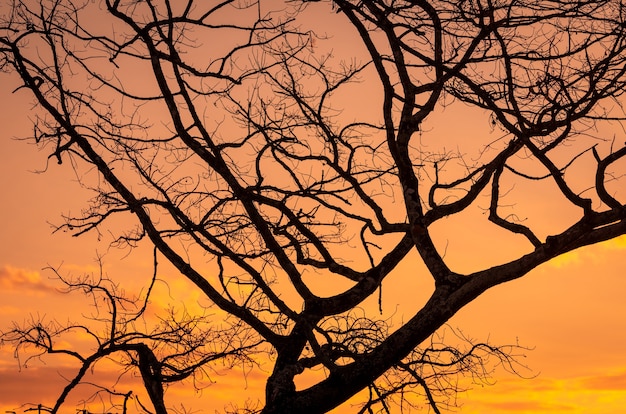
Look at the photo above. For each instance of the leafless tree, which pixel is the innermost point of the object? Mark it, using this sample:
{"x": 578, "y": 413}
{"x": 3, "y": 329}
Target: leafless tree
{"x": 178, "y": 347}
{"x": 239, "y": 143}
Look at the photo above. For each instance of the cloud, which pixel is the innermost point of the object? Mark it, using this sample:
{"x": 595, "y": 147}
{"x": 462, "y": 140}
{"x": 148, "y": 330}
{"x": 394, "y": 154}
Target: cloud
{"x": 607, "y": 382}
{"x": 572, "y": 258}
{"x": 24, "y": 281}
{"x": 618, "y": 243}
{"x": 591, "y": 394}
{"x": 43, "y": 385}
{"x": 6, "y": 310}
{"x": 39, "y": 385}
{"x": 527, "y": 406}
{"x": 588, "y": 255}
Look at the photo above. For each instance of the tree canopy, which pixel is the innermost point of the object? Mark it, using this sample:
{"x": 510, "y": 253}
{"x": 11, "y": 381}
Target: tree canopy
{"x": 284, "y": 157}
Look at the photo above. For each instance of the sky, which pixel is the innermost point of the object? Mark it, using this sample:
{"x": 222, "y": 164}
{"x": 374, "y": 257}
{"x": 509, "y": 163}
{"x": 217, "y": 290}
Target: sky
{"x": 570, "y": 312}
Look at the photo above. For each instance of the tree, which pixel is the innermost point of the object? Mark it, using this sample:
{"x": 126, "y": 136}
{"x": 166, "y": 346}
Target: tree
{"x": 287, "y": 184}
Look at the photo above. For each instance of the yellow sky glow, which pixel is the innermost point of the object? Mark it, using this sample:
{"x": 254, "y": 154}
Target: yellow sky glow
{"x": 570, "y": 311}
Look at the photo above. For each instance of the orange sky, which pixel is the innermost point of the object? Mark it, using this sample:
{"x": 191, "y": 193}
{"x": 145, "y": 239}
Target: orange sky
{"x": 572, "y": 311}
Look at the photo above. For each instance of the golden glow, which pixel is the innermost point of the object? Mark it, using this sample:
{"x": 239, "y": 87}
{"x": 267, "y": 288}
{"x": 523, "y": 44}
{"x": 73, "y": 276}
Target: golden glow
{"x": 571, "y": 310}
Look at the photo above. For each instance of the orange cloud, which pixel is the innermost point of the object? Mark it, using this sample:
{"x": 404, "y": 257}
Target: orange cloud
{"x": 594, "y": 394}
{"x": 9, "y": 310}
{"x": 593, "y": 254}
{"x": 24, "y": 281}
{"x": 618, "y": 243}
{"x": 31, "y": 386}
{"x": 608, "y": 382}
{"x": 527, "y": 406}
{"x": 20, "y": 389}
{"x": 43, "y": 384}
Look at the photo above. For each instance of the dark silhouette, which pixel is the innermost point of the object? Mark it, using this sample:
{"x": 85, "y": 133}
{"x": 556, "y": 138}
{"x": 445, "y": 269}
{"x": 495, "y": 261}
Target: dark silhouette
{"x": 287, "y": 183}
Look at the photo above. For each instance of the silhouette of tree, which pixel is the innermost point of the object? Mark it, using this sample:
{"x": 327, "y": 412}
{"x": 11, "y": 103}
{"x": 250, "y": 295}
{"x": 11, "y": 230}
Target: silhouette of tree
{"x": 288, "y": 184}
{"x": 177, "y": 347}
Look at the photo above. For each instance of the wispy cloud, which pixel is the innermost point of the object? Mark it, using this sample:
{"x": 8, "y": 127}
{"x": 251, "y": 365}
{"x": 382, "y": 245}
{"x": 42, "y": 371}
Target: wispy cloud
{"x": 590, "y": 255}
{"x": 618, "y": 243}
{"x": 23, "y": 280}
{"x": 39, "y": 385}
{"x": 527, "y": 406}
{"x": 43, "y": 384}
{"x": 606, "y": 382}
{"x": 593, "y": 394}
{"x": 7, "y": 310}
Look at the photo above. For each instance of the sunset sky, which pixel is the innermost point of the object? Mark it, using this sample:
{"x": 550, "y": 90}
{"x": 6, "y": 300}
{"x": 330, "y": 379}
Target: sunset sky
{"x": 570, "y": 312}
